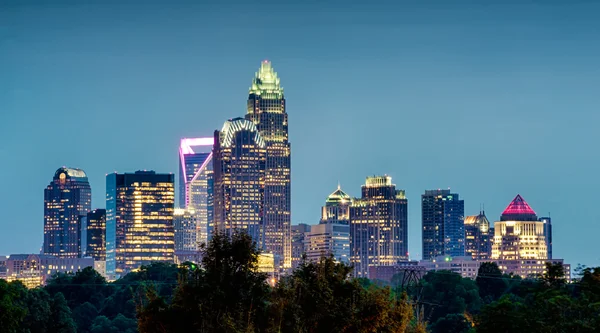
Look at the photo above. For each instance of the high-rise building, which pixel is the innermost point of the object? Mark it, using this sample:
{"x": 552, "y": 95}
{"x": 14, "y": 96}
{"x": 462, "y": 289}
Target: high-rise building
{"x": 96, "y": 234}
{"x": 267, "y": 110}
{"x": 548, "y": 233}
{"x": 239, "y": 179}
{"x": 442, "y": 215}
{"x": 519, "y": 234}
{"x": 332, "y": 235}
{"x": 478, "y": 239}
{"x": 298, "y": 235}
{"x": 67, "y": 199}
{"x": 196, "y": 182}
{"x": 186, "y": 241}
{"x": 378, "y": 226}
{"x": 337, "y": 208}
{"x": 139, "y": 220}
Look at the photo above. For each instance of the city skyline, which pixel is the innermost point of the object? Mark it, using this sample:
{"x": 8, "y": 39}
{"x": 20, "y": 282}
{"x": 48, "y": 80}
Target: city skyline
{"x": 519, "y": 97}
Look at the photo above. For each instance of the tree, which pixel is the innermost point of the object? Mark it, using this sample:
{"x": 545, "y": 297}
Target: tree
{"x": 226, "y": 294}
{"x": 11, "y": 314}
{"x": 554, "y": 276}
{"x": 446, "y": 292}
{"x": 60, "y": 318}
{"x": 503, "y": 316}
{"x": 320, "y": 297}
{"x": 490, "y": 282}
{"x": 84, "y": 315}
{"x": 451, "y": 323}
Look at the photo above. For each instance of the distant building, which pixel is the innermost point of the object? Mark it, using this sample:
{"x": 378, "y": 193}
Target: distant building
{"x": 337, "y": 208}
{"x": 186, "y": 241}
{"x": 298, "y": 236}
{"x": 478, "y": 239}
{"x": 267, "y": 110}
{"x": 530, "y": 268}
{"x": 378, "y": 226}
{"x": 35, "y": 269}
{"x": 332, "y": 235}
{"x": 96, "y": 234}
{"x": 463, "y": 265}
{"x": 330, "y": 239}
{"x": 398, "y": 271}
{"x": 196, "y": 182}
{"x": 519, "y": 235}
{"x": 67, "y": 200}
{"x": 139, "y": 220}
{"x": 239, "y": 179}
{"x": 442, "y": 214}
{"x": 548, "y": 233}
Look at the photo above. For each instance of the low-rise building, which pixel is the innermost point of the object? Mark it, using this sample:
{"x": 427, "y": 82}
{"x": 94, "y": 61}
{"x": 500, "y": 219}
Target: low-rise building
{"x": 35, "y": 269}
{"x": 463, "y": 265}
{"x": 387, "y": 273}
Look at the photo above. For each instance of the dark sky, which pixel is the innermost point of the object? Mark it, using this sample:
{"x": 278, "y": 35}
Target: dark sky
{"x": 489, "y": 98}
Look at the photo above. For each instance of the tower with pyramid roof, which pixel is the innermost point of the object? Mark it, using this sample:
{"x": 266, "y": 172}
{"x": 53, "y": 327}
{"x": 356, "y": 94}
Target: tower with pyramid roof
{"x": 519, "y": 235}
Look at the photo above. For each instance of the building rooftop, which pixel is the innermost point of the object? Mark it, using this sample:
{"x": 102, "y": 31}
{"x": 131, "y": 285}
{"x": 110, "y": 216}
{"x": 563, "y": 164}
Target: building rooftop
{"x": 518, "y": 209}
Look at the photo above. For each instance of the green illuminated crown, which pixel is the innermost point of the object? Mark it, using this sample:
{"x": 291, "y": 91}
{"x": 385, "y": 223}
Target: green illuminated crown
{"x": 266, "y": 83}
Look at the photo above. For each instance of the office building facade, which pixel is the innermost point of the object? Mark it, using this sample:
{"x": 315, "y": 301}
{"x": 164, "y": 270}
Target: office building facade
{"x": 519, "y": 235}
{"x": 331, "y": 237}
{"x": 442, "y": 217}
{"x": 548, "y": 233}
{"x": 267, "y": 110}
{"x": 196, "y": 182}
{"x": 478, "y": 237}
{"x": 298, "y": 235}
{"x": 96, "y": 234}
{"x": 239, "y": 158}
{"x": 185, "y": 225}
{"x": 378, "y": 226}
{"x": 67, "y": 199}
{"x": 139, "y": 220}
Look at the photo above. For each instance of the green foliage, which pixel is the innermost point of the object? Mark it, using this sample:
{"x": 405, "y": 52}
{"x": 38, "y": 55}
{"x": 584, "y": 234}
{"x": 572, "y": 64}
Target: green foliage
{"x": 11, "y": 313}
{"x": 451, "y": 323}
{"x": 490, "y": 282}
{"x": 448, "y": 293}
{"x": 60, "y": 317}
{"x": 227, "y": 294}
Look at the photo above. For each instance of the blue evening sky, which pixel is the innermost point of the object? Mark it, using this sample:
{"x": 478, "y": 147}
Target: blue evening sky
{"x": 489, "y": 98}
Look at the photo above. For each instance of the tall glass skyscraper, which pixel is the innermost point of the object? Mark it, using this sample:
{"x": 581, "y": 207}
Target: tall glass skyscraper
{"x": 442, "y": 215}
{"x": 196, "y": 182}
{"x": 96, "y": 234}
{"x": 139, "y": 220}
{"x": 239, "y": 180}
{"x": 378, "y": 226}
{"x": 267, "y": 110}
{"x": 67, "y": 199}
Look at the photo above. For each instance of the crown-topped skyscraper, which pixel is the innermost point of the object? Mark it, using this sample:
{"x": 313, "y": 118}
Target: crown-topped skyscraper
{"x": 267, "y": 110}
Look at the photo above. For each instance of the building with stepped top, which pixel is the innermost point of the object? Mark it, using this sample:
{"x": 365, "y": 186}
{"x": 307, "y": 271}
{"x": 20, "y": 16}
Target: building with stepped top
{"x": 267, "y": 110}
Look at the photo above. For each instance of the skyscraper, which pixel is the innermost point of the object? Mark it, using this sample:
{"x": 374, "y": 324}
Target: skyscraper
{"x": 186, "y": 241}
{"x": 478, "y": 237}
{"x": 96, "y": 234}
{"x": 196, "y": 182}
{"x": 139, "y": 220}
{"x": 298, "y": 235}
{"x": 239, "y": 157}
{"x": 67, "y": 199}
{"x": 378, "y": 226}
{"x": 442, "y": 215}
{"x": 548, "y": 233}
{"x": 267, "y": 110}
{"x": 519, "y": 234}
{"x": 332, "y": 235}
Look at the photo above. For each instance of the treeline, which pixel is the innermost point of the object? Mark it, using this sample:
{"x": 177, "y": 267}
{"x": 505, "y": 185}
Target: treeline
{"x": 226, "y": 293}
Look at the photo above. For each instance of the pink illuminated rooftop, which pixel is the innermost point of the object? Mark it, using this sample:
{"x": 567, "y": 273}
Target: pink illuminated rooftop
{"x": 188, "y": 143}
{"x": 518, "y": 207}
